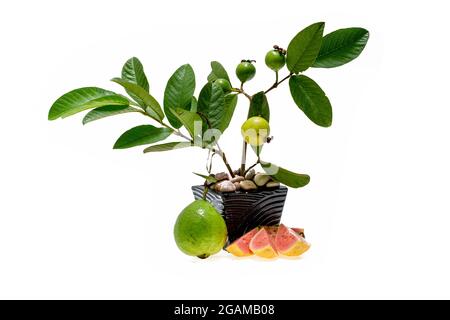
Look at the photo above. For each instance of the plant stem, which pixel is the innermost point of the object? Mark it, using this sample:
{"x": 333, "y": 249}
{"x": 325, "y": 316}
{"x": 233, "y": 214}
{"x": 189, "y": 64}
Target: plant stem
{"x": 219, "y": 151}
{"x": 244, "y": 158}
{"x": 176, "y": 131}
{"x": 252, "y": 166}
{"x": 224, "y": 158}
{"x": 277, "y": 83}
{"x": 242, "y": 91}
{"x": 205, "y": 192}
{"x": 180, "y": 134}
{"x": 244, "y": 144}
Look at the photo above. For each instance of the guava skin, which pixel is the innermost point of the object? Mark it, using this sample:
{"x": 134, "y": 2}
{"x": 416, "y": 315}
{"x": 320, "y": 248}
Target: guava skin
{"x": 200, "y": 230}
{"x": 245, "y": 71}
{"x": 255, "y": 131}
{"x": 224, "y": 84}
{"x": 275, "y": 60}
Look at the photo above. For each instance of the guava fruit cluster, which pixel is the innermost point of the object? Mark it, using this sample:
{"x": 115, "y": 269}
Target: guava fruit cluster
{"x": 270, "y": 242}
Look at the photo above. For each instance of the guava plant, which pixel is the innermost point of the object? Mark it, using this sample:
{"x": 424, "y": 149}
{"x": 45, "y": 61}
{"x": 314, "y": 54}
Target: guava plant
{"x": 199, "y": 122}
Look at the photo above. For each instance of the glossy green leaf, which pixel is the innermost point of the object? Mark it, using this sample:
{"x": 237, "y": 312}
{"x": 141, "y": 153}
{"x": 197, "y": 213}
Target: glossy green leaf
{"x": 217, "y": 72}
{"x": 140, "y": 92}
{"x": 83, "y": 99}
{"x": 133, "y": 71}
{"x": 289, "y": 178}
{"x": 211, "y": 104}
{"x": 311, "y": 99}
{"x": 259, "y": 106}
{"x": 304, "y": 48}
{"x": 230, "y": 105}
{"x": 188, "y": 119}
{"x": 194, "y": 104}
{"x": 209, "y": 179}
{"x": 168, "y": 146}
{"x": 149, "y": 111}
{"x": 141, "y": 135}
{"x": 178, "y": 93}
{"x": 106, "y": 111}
{"x": 341, "y": 46}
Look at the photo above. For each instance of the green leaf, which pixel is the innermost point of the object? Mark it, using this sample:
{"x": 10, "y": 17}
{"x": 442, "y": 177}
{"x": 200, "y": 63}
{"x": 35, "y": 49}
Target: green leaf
{"x": 106, "y": 111}
{"x": 304, "y": 47}
{"x": 188, "y": 119}
{"x": 289, "y": 178}
{"x": 149, "y": 111}
{"x": 168, "y": 146}
{"x": 311, "y": 99}
{"x": 259, "y": 106}
{"x": 217, "y": 72}
{"x": 209, "y": 179}
{"x": 140, "y": 92}
{"x": 341, "y": 46}
{"x": 133, "y": 71}
{"x": 83, "y": 99}
{"x": 230, "y": 105}
{"x": 194, "y": 104}
{"x": 178, "y": 93}
{"x": 211, "y": 104}
{"x": 140, "y": 135}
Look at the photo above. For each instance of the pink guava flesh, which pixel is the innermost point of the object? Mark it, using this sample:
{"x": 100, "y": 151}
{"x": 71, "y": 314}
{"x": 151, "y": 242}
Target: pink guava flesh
{"x": 289, "y": 243}
{"x": 263, "y": 245}
{"x": 240, "y": 247}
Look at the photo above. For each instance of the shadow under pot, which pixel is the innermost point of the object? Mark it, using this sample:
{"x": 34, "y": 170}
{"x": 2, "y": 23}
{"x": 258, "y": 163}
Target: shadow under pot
{"x": 244, "y": 210}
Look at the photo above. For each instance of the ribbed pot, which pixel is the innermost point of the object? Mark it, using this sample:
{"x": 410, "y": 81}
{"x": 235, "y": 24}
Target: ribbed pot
{"x": 244, "y": 211}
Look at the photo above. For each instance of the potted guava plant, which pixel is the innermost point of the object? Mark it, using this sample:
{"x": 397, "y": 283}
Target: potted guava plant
{"x": 233, "y": 205}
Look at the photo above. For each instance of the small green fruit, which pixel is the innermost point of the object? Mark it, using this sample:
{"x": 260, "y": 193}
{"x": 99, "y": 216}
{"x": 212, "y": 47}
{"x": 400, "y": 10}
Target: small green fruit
{"x": 255, "y": 131}
{"x": 200, "y": 230}
{"x": 224, "y": 84}
{"x": 245, "y": 71}
{"x": 275, "y": 60}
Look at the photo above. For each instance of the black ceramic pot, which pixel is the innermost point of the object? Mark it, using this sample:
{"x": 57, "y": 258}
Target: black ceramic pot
{"x": 244, "y": 211}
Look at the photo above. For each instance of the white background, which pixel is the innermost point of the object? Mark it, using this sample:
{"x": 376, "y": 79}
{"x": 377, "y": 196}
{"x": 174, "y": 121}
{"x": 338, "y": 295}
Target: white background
{"x": 80, "y": 220}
